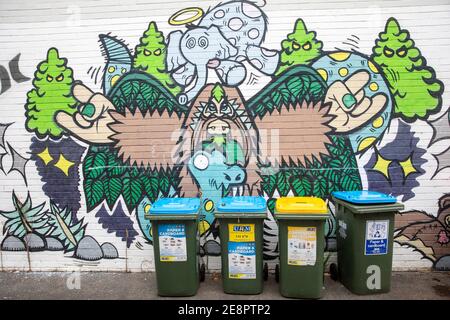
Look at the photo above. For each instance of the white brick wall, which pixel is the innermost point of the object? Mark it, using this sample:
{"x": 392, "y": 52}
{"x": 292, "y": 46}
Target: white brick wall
{"x": 32, "y": 27}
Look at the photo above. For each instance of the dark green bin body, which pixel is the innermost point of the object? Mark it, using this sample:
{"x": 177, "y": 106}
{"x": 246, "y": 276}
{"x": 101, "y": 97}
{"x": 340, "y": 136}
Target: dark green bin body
{"x": 301, "y": 281}
{"x": 178, "y": 278}
{"x": 357, "y": 271}
{"x": 242, "y": 286}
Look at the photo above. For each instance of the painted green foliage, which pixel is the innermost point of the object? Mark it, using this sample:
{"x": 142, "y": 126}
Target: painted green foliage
{"x": 51, "y": 93}
{"x": 300, "y": 47}
{"x": 143, "y": 92}
{"x": 294, "y": 86}
{"x": 320, "y": 177}
{"x": 417, "y": 92}
{"x": 334, "y": 171}
{"x": 106, "y": 177}
{"x": 150, "y": 56}
{"x": 25, "y": 218}
{"x": 68, "y": 232}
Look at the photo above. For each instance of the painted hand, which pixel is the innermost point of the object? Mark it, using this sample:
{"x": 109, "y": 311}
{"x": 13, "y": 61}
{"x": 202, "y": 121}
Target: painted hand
{"x": 91, "y": 121}
{"x": 349, "y": 104}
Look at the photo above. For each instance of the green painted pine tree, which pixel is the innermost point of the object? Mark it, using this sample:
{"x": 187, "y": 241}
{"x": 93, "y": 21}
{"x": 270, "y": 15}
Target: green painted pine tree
{"x": 51, "y": 93}
{"x": 150, "y": 56}
{"x": 413, "y": 84}
{"x": 300, "y": 47}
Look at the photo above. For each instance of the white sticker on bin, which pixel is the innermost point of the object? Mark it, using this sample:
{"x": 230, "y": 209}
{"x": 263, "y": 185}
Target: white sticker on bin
{"x": 172, "y": 242}
{"x": 302, "y": 246}
{"x": 376, "y": 237}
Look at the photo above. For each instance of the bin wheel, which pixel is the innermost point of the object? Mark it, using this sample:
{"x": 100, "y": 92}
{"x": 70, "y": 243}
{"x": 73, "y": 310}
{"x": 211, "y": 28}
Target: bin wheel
{"x": 202, "y": 272}
{"x": 266, "y": 272}
{"x": 334, "y": 274}
{"x": 277, "y": 273}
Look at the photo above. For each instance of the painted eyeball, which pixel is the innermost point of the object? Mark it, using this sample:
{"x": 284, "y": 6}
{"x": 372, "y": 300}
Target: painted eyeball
{"x": 401, "y": 52}
{"x": 225, "y": 108}
{"x": 123, "y": 70}
{"x": 201, "y": 162}
{"x": 147, "y": 52}
{"x": 190, "y": 43}
{"x": 203, "y": 42}
{"x": 307, "y": 46}
{"x": 388, "y": 52}
{"x": 111, "y": 69}
{"x": 295, "y": 46}
{"x": 447, "y": 220}
{"x": 49, "y": 78}
{"x": 157, "y": 52}
{"x": 60, "y": 78}
{"x": 212, "y": 107}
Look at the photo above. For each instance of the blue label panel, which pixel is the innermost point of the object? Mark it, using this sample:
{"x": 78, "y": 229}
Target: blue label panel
{"x": 376, "y": 241}
{"x": 376, "y": 247}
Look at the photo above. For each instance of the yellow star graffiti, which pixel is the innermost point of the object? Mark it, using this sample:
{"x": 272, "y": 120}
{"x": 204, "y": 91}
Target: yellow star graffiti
{"x": 64, "y": 165}
{"x": 407, "y": 167}
{"x": 382, "y": 165}
{"x": 45, "y": 156}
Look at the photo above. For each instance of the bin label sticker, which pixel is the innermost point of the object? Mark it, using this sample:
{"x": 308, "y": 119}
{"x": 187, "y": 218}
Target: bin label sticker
{"x": 302, "y": 246}
{"x": 241, "y": 232}
{"x": 376, "y": 237}
{"x": 242, "y": 260}
{"x": 172, "y": 242}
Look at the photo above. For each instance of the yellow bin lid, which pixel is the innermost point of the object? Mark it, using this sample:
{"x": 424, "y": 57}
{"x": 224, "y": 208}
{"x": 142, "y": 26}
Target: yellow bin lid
{"x": 301, "y": 205}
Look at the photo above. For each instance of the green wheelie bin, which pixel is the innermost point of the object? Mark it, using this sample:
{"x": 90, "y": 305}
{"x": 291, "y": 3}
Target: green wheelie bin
{"x": 301, "y": 227}
{"x": 365, "y": 228}
{"x": 175, "y": 245}
{"x": 241, "y": 236}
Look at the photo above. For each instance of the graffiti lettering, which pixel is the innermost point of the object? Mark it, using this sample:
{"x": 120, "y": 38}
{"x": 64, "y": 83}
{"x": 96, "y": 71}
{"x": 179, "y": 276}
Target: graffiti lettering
{"x": 17, "y": 76}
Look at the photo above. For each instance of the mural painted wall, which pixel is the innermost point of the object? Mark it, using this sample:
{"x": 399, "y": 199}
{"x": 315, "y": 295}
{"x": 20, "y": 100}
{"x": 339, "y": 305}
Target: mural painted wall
{"x": 206, "y": 101}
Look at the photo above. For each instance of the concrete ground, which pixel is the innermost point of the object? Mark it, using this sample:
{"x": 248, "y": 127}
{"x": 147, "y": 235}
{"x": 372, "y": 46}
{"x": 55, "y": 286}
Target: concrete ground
{"x": 105, "y": 285}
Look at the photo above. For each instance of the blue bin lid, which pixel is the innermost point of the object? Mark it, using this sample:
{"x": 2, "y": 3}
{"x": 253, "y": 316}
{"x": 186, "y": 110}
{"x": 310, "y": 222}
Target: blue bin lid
{"x": 242, "y": 204}
{"x": 364, "y": 197}
{"x": 175, "y": 206}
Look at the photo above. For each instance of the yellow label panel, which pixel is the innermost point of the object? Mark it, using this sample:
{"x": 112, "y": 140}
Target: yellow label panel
{"x": 168, "y": 259}
{"x": 302, "y": 246}
{"x": 241, "y": 276}
{"x": 241, "y": 232}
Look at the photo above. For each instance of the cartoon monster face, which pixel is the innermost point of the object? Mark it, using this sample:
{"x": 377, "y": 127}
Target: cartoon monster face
{"x": 396, "y": 53}
{"x": 200, "y": 45}
{"x": 213, "y": 174}
{"x": 395, "y": 49}
{"x": 301, "y": 46}
{"x": 218, "y": 112}
{"x": 220, "y": 122}
{"x": 154, "y": 53}
{"x": 53, "y": 77}
{"x": 291, "y": 46}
